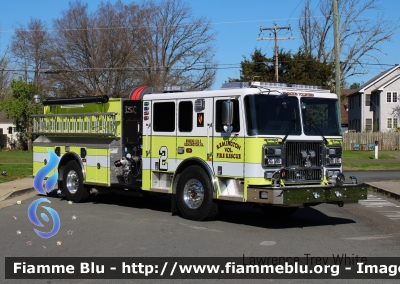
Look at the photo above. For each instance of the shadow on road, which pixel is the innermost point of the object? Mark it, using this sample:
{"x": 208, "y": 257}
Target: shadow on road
{"x": 234, "y": 213}
{"x": 303, "y": 217}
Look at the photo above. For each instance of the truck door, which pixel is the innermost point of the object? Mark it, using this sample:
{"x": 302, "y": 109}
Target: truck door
{"x": 194, "y": 136}
{"x": 228, "y": 150}
{"x": 163, "y": 144}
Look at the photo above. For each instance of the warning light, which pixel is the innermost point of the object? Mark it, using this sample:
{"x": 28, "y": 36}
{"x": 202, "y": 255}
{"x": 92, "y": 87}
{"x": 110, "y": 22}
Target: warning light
{"x": 146, "y": 118}
{"x": 188, "y": 150}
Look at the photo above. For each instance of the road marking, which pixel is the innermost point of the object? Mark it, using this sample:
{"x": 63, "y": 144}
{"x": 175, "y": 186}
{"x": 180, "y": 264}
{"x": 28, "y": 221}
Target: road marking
{"x": 374, "y": 237}
{"x": 268, "y": 243}
{"x": 201, "y": 228}
{"x": 373, "y": 201}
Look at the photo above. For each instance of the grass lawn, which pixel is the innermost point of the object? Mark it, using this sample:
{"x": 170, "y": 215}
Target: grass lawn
{"x": 365, "y": 160}
{"x": 15, "y": 171}
{"x": 15, "y": 157}
{"x": 366, "y": 155}
{"x": 370, "y": 167}
{"x": 17, "y": 164}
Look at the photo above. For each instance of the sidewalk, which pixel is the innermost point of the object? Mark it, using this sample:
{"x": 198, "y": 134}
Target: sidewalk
{"x": 389, "y": 188}
{"x": 25, "y": 185}
{"x": 15, "y": 187}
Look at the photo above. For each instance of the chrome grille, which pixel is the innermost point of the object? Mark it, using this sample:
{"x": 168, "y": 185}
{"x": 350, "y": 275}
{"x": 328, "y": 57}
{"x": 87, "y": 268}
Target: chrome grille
{"x": 309, "y": 174}
{"x": 294, "y": 157}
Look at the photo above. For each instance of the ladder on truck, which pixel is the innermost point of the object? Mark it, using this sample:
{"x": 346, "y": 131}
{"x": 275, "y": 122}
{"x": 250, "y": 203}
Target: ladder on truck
{"x": 101, "y": 123}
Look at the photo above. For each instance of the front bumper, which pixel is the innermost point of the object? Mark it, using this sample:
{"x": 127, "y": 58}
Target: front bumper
{"x": 307, "y": 194}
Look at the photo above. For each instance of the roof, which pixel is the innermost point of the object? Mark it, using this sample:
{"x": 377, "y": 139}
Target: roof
{"x": 374, "y": 79}
{"x": 4, "y": 119}
{"x": 384, "y": 85}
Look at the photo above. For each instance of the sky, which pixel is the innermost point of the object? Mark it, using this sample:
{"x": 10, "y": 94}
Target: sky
{"x": 236, "y": 22}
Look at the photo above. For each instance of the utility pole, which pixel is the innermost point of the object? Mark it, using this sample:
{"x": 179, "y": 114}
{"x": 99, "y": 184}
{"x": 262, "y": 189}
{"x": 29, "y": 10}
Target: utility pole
{"x": 336, "y": 48}
{"x": 337, "y": 54}
{"x": 275, "y": 30}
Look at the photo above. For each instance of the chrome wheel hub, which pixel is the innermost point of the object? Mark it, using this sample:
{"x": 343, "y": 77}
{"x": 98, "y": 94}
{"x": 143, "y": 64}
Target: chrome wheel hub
{"x": 193, "y": 194}
{"x": 72, "y": 182}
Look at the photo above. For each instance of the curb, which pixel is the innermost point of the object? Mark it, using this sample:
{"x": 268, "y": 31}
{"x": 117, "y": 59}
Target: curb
{"x": 386, "y": 193}
{"x": 17, "y": 193}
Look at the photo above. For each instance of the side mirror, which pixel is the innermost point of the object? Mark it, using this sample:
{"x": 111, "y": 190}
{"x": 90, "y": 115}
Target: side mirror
{"x": 227, "y": 115}
{"x": 227, "y": 112}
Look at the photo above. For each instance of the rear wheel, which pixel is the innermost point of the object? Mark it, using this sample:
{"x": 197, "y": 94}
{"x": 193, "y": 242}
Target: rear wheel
{"x": 73, "y": 183}
{"x": 195, "y": 195}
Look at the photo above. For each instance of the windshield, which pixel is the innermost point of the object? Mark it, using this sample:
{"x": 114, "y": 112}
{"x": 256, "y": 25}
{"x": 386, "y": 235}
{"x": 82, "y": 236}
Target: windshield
{"x": 320, "y": 116}
{"x": 272, "y": 115}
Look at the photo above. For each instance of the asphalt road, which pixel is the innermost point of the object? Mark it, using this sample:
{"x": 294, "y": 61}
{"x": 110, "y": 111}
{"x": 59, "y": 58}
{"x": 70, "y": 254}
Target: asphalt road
{"x": 117, "y": 226}
{"x": 372, "y": 176}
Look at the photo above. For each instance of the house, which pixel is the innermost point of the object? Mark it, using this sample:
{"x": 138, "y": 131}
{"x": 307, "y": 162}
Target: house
{"x": 8, "y": 134}
{"x": 371, "y": 105}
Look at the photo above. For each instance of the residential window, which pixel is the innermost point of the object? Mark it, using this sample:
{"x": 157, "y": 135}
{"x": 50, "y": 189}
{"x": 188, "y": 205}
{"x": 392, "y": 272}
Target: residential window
{"x": 394, "y": 97}
{"x": 368, "y": 124}
{"x": 10, "y": 130}
{"x": 1, "y": 131}
{"x": 389, "y": 97}
{"x": 368, "y": 100}
{"x": 389, "y": 123}
{"x": 395, "y": 122}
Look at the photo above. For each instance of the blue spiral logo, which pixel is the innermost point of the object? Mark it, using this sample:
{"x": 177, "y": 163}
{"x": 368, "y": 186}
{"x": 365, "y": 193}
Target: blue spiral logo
{"x": 32, "y": 216}
{"x": 41, "y": 174}
{"x": 38, "y": 185}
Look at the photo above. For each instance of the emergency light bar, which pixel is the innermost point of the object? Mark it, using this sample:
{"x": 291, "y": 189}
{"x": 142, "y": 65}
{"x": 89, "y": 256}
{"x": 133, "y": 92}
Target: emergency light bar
{"x": 239, "y": 85}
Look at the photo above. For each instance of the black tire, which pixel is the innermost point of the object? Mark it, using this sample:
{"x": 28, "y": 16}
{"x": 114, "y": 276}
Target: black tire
{"x": 73, "y": 183}
{"x": 194, "y": 195}
{"x": 278, "y": 212}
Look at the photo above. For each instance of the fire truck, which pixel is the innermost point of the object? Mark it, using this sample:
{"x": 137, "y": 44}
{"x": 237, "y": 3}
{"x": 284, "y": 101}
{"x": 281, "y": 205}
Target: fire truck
{"x": 276, "y": 146}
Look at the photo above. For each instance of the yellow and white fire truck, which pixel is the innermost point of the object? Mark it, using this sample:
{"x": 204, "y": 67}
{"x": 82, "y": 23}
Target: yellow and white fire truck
{"x": 277, "y": 146}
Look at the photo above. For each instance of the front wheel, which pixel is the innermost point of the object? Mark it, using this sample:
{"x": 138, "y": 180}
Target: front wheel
{"x": 195, "y": 195}
{"x": 73, "y": 183}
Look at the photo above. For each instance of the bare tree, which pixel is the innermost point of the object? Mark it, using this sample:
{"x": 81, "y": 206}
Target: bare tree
{"x": 5, "y": 75}
{"x": 29, "y": 46}
{"x": 74, "y": 53}
{"x": 92, "y": 54}
{"x": 175, "y": 47}
{"x": 359, "y": 36}
{"x": 122, "y": 46}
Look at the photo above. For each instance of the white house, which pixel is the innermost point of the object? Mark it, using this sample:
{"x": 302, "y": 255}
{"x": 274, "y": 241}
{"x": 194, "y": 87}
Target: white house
{"x": 7, "y": 131}
{"x": 371, "y": 105}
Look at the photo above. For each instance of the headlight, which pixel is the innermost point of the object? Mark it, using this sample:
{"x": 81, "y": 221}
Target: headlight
{"x": 334, "y": 156}
{"x": 272, "y": 157}
{"x": 274, "y": 161}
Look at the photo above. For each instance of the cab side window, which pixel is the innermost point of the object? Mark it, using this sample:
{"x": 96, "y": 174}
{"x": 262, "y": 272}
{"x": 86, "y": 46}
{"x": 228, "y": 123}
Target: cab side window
{"x": 164, "y": 117}
{"x": 185, "y": 119}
